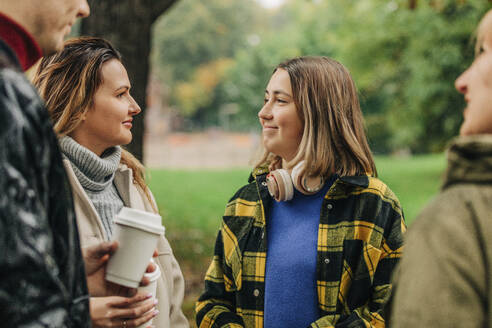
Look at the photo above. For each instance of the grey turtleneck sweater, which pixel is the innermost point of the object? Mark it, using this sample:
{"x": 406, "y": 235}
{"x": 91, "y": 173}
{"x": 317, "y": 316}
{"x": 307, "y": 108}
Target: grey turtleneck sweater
{"x": 96, "y": 175}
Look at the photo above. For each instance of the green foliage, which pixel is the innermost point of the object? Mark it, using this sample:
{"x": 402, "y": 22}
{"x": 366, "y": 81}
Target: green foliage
{"x": 193, "y": 45}
{"x": 403, "y": 61}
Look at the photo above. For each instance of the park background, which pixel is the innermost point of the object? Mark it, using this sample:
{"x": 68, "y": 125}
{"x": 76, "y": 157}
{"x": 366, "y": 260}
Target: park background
{"x": 199, "y": 69}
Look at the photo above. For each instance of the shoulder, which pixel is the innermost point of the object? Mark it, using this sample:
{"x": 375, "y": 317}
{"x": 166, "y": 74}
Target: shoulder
{"x": 15, "y": 86}
{"x": 454, "y": 226}
{"x": 455, "y": 210}
{"x": 451, "y": 235}
{"x": 378, "y": 187}
{"x": 368, "y": 185}
{"x": 247, "y": 192}
{"x": 370, "y": 192}
{"x": 21, "y": 108}
{"x": 244, "y": 201}
{"x": 246, "y": 208}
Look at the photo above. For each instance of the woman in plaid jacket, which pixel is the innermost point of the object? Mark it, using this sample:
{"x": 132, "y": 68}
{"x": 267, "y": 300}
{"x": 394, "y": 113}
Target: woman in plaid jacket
{"x": 313, "y": 238}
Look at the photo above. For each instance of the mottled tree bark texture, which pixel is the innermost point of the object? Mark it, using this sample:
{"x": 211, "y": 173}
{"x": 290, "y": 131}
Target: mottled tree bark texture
{"x": 127, "y": 24}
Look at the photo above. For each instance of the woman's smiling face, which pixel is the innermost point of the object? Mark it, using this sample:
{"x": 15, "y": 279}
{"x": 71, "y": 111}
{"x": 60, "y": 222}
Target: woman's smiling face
{"x": 282, "y": 126}
{"x": 108, "y": 121}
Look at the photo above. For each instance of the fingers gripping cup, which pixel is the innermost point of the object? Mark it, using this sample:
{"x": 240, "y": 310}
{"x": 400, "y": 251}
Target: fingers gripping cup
{"x": 150, "y": 288}
{"x": 137, "y": 233}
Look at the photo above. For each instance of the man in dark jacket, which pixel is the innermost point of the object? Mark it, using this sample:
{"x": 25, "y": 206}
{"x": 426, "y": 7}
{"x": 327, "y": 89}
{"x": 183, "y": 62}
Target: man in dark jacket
{"x": 42, "y": 278}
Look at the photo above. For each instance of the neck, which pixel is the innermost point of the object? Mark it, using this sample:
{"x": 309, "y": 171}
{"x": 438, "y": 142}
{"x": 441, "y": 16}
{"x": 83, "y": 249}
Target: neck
{"x": 19, "y": 39}
{"x": 287, "y": 164}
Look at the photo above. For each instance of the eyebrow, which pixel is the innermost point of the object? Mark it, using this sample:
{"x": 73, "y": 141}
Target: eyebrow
{"x": 126, "y": 87}
{"x": 277, "y": 92}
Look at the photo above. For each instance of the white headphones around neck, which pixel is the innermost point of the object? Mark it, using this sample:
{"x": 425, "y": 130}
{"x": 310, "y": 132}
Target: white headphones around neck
{"x": 281, "y": 184}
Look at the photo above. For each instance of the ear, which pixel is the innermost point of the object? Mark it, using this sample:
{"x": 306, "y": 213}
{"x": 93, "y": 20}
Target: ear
{"x": 83, "y": 117}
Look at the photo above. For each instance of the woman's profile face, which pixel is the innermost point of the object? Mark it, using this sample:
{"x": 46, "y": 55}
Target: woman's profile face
{"x": 282, "y": 126}
{"x": 108, "y": 121}
{"x": 476, "y": 85}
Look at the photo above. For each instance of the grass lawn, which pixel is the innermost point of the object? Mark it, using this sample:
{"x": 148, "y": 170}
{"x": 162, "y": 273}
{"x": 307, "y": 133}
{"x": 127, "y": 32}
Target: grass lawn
{"x": 192, "y": 204}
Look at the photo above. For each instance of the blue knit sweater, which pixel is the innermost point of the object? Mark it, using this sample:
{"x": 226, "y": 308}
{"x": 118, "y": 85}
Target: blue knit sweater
{"x": 290, "y": 276}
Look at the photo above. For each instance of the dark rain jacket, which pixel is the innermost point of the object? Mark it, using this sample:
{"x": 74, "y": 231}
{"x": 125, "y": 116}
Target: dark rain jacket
{"x": 42, "y": 278}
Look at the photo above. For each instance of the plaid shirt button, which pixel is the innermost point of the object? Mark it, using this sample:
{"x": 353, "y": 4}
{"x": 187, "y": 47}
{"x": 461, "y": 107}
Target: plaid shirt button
{"x": 329, "y": 206}
{"x": 264, "y": 184}
{"x": 256, "y": 293}
{"x": 327, "y": 261}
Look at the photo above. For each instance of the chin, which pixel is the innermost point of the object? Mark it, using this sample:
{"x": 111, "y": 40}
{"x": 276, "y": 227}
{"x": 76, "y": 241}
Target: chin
{"x": 52, "y": 46}
{"x": 126, "y": 142}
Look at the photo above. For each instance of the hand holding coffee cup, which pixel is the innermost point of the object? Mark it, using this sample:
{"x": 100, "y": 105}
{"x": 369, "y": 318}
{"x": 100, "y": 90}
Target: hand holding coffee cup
{"x": 113, "y": 310}
{"x": 137, "y": 233}
{"x": 150, "y": 289}
{"x": 95, "y": 259}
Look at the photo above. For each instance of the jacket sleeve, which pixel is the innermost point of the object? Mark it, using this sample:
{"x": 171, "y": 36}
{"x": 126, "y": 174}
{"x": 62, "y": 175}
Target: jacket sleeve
{"x": 385, "y": 260}
{"x": 31, "y": 291}
{"x": 216, "y": 306}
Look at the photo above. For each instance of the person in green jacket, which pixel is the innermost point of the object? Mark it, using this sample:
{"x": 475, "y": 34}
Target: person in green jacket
{"x": 444, "y": 277}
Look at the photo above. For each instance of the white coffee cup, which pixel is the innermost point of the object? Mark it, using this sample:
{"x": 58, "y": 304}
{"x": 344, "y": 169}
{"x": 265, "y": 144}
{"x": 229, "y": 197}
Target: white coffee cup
{"x": 137, "y": 233}
{"x": 150, "y": 288}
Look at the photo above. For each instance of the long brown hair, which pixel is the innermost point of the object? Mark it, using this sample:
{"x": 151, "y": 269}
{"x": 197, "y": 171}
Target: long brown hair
{"x": 334, "y": 139}
{"x": 68, "y": 81}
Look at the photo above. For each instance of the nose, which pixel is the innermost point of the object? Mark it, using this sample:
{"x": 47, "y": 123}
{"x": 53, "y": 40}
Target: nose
{"x": 461, "y": 82}
{"x": 265, "y": 112}
{"x": 134, "y": 108}
{"x": 84, "y": 9}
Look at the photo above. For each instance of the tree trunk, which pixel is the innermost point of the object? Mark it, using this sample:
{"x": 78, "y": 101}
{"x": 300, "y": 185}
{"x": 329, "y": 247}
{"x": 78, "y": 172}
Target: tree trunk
{"x": 412, "y": 4}
{"x": 127, "y": 24}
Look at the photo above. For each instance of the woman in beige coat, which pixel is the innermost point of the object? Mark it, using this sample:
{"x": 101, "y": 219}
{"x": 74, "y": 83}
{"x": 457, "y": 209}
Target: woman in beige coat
{"x": 87, "y": 93}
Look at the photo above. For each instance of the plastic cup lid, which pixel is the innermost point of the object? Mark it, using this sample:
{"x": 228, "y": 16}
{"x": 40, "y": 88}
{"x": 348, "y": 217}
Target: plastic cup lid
{"x": 138, "y": 219}
{"x": 155, "y": 274}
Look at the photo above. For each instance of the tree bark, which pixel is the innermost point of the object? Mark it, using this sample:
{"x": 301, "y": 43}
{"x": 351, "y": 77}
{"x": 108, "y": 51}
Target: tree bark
{"x": 128, "y": 25}
{"x": 412, "y": 4}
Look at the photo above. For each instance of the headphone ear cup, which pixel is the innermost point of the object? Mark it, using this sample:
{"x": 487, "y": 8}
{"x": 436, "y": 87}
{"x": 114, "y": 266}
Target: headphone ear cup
{"x": 296, "y": 176}
{"x": 279, "y": 185}
{"x": 305, "y": 184}
{"x": 288, "y": 187}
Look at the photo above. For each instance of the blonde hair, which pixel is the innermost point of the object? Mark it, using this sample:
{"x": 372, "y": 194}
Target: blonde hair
{"x": 68, "y": 81}
{"x": 484, "y": 30}
{"x": 334, "y": 140}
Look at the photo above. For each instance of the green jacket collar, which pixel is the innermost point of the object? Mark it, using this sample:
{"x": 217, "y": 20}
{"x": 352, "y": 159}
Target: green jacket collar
{"x": 469, "y": 160}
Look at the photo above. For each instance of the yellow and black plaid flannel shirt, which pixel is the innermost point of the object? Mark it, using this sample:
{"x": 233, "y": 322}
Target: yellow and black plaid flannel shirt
{"x": 360, "y": 238}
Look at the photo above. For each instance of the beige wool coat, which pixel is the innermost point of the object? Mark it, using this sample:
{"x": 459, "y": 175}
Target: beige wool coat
{"x": 170, "y": 286}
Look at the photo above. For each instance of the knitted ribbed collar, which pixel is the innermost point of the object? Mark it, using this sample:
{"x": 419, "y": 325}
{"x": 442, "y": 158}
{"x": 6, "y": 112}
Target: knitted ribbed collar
{"x": 93, "y": 172}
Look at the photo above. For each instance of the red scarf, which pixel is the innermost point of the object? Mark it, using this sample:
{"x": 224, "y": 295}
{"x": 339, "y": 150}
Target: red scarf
{"x": 20, "y": 41}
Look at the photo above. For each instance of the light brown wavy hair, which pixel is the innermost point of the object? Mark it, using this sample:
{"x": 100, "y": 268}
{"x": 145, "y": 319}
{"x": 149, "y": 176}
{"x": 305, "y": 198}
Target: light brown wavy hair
{"x": 68, "y": 81}
{"x": 334, "y": 139}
